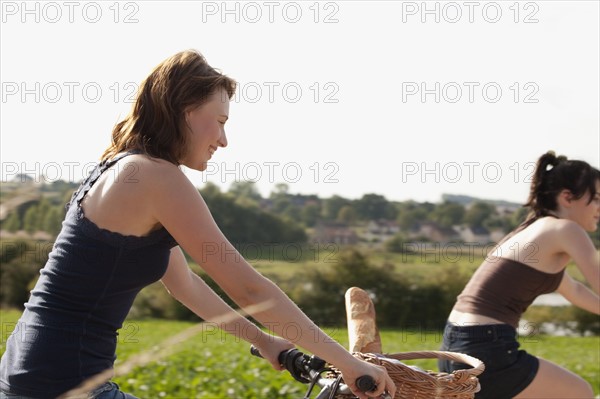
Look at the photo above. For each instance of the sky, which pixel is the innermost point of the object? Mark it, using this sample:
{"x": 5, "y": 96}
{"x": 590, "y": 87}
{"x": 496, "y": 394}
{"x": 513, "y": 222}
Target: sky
{"x": 409, "y": 100}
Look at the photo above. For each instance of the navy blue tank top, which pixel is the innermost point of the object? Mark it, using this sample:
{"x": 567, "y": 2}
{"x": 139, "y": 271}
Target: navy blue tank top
{"x": 68, "y": 331}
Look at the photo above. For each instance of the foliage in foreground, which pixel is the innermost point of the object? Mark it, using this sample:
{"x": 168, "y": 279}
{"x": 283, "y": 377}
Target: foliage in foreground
{"x": 212, "y": 364}
{"x": 409, "y": 291}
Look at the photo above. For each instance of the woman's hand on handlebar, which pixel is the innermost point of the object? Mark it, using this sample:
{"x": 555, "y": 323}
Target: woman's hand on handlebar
{"x": 351, "y": 372}
{"x": 271, "y": 347}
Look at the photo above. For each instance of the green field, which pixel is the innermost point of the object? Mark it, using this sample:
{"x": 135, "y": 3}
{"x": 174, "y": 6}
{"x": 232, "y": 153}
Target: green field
{"x": 211, "y": 364}
{"x": 416, "y": 267}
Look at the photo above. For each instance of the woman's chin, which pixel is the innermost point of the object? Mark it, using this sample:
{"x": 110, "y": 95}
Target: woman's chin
{"x": 199, "y": 166}
{"x": 202, "y": 167}
{"x": 591, "y": 228}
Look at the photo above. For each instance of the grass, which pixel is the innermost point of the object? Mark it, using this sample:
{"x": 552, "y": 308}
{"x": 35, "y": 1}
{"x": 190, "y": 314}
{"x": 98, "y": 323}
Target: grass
{"x": 416, "y": 267}
{"x": 214, "y": 364}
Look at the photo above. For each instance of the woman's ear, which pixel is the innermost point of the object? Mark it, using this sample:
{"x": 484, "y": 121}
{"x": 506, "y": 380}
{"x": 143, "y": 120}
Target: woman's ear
{"x": 565, "y": 198}
{"x": 186, "y": 118}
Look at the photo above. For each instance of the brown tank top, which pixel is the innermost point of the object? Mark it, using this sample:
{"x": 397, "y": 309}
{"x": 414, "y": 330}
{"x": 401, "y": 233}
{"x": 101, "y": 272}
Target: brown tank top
{"x": 503, "y": 289}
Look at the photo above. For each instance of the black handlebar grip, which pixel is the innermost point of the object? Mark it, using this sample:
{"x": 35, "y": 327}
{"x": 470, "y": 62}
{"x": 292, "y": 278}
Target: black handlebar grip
{"x": 366, "y": 383}
{"x": 254, "y": 351}
{"x": 293, "y": 360}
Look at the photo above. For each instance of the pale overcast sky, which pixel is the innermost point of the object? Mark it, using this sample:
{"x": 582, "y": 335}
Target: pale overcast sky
{"x": 405, "y": 99}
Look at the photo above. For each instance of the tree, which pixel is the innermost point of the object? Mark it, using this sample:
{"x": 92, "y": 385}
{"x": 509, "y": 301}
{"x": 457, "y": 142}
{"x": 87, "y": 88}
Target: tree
{"x": 281, "y": 204}
{"x": 293, "y": 213}
{"x": 53, "y": 221}
{"x": 31, "y": 220}
{"x": 310, "y": 214}
{"x": 346, "y": 214}
{"x": 245, "y": 189}
{"x": 407, "y": 219}
{"x": 281, "y": 189}
{"x": 374, "y": 206}
{"x": 242, "y": 225}
{"x": 411, "y": 213}
{"x": 12, "y": 222}
{"x": 21, "y": 261}
{"x": 322, "y": 295}
{"x": 210, "y": 190}
{"x": 43, "y": 207}
{"x": 333, "y": 205}
{"x": 398, "y": 244}
{"x": 478, "y": 213}
{"x": 448, "y": 214}
{"x": 518, "y": 217}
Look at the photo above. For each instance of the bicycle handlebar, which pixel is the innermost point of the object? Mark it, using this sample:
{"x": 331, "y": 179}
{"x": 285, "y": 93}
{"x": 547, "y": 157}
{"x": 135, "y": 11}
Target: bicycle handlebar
{"x": 305, "y": 368}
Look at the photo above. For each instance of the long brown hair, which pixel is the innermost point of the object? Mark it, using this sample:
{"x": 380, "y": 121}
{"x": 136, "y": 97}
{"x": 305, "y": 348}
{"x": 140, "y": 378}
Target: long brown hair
{"x": 154, "y": 124}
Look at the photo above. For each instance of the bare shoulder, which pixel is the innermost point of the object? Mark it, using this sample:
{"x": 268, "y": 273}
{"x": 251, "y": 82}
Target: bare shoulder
{"x": 563, "y": 227}
{"x": 124, "y": 197}
{"x": 558, "y": 238}
{"x": 568, "y": 237}
{"x": 152, "y": 179}
{"x": 141, "y": 165}
{"x": 545, "y": 230}
{"x": 149, "y": 172}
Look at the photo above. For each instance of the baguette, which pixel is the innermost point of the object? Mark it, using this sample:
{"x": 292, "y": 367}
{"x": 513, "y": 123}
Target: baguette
{"x": 363, "y": 333}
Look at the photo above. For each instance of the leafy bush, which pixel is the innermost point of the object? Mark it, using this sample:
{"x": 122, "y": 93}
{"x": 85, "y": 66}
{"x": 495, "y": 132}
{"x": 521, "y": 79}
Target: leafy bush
{"x": 21, "y": 262}
{"x": 397, "y": 300}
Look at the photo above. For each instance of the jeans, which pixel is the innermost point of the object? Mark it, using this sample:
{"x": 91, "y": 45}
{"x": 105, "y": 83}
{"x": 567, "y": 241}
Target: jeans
{"x": 109, "y": 390}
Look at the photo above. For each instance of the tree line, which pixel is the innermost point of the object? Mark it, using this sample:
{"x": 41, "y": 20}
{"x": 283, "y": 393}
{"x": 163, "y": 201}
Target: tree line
{"x": 307, "y": 210}
{"x": 245, "y": 216}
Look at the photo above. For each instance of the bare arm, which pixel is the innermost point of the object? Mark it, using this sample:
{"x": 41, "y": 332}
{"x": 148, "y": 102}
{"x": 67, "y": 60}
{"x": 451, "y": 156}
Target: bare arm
{"x": 579, "y": 295}
{"x": 578, "y": 245}
{"x": 178, "y": 206}
{"x": 189, "y": 289}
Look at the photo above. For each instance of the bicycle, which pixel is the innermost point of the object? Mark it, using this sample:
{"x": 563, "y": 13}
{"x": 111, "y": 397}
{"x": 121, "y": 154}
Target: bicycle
{"x": 365, "y": 342}
{"x": 310, "y": 369}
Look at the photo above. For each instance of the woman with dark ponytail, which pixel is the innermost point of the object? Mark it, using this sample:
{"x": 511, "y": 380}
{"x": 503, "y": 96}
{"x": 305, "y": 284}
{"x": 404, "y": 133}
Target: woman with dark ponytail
{"x": 564, "y": 204}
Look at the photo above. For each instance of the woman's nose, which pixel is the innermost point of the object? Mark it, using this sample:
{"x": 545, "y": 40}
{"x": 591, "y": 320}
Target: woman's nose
{"x": 223, "y": 140}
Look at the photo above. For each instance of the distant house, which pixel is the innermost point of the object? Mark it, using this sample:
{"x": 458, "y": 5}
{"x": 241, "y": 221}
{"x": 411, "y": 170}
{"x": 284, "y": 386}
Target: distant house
{"x": 297, "y": 200}
{"x": 381, "y": 230}
{"x": 300, "y": 200}
{"x": 496, "y": 235}
{"x": 434, "y": 232}
{"x": 507, "y": 209}
{"x": 479, "y": 235}
{"x": 335, "y": 233}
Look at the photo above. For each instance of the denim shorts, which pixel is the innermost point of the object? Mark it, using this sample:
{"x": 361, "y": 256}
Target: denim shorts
{"x": 109, "y": 390}
{"x": 508, "y": 370}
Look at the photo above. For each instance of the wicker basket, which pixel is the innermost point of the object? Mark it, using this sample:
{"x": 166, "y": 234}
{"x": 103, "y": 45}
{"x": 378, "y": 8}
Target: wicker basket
{"x": 414, "y": 383}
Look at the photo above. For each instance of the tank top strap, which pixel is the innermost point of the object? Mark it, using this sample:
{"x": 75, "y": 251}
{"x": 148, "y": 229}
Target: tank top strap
{"x": 95, "y": 174}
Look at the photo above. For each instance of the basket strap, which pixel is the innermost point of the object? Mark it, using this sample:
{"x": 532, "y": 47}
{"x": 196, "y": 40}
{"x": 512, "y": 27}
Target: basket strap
{"x": 477, "y": 364}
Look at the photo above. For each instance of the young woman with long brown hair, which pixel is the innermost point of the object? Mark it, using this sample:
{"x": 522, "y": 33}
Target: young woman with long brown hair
{"x": 126, "y": 227}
